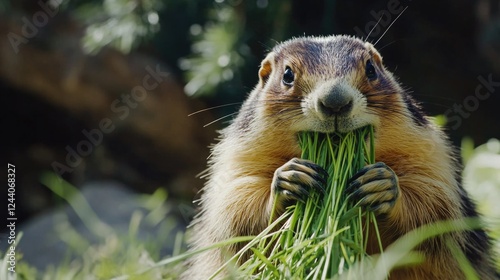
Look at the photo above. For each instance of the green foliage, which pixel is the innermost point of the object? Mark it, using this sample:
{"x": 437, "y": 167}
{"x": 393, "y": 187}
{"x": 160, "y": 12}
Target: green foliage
{"x": 121, "y": 24}
{"x": 439, "y": 120}
{"x": 216, "y": 52}
{"x": 221, "y": 58}
{"x": 482, "y": 179}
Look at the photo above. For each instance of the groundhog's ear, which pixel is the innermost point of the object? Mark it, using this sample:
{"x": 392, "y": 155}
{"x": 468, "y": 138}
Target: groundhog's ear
{"x": 375, "y": 54}
{"x": 266, "y": 68}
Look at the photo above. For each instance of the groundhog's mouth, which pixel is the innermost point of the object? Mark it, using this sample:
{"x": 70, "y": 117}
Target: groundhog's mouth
{"x": 337, "y": 124}
{"x": 337, "y": 131}
{"x": 341, "y": 111}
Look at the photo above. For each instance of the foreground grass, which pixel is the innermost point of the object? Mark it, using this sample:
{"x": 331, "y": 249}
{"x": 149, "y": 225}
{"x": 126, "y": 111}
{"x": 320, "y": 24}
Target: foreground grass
{"x": 123, "y": 256}
{"x": 117, "y": 253}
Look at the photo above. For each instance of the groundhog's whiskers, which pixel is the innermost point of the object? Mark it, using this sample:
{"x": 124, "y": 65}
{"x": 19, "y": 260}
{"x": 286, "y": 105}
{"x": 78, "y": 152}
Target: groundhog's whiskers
{"x": 221, "y": 118}
{"x": 381, "y": 109}
{"x": 389, "y": 27}
{"x": 373, "y": 28}
{"x": 215, "y": 107}
{"x": 284, "y": 103}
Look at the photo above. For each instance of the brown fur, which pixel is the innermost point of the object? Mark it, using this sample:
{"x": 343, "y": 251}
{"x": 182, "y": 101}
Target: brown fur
{"x": 237, "y": 199}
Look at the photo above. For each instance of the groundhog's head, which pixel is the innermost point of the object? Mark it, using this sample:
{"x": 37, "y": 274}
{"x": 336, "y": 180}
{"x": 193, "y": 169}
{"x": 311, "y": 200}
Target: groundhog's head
{"x": 328, "y": 84}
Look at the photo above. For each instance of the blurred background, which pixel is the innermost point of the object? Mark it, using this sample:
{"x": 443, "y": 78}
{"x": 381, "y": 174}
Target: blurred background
{"x": 97, "y": 96}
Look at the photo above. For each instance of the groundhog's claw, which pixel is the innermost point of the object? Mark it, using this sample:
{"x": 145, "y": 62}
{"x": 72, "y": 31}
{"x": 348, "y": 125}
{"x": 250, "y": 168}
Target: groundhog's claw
{"x": 375, "y": 187}
{"x": 294, "y": 180}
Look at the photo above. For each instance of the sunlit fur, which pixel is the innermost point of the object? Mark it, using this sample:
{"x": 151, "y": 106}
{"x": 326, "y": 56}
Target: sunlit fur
{"x": 237, "y": 200}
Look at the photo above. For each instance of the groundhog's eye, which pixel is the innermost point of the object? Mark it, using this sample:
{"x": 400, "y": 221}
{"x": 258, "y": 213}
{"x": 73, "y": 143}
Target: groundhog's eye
{"x": 370, "y": 72}
{"x": 288, "y": 76}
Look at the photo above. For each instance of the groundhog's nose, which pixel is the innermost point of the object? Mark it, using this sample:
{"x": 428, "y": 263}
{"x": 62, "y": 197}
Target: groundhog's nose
{"x": 337, "y": 101}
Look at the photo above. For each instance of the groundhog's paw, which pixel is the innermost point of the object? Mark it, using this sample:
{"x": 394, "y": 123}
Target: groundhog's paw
{"x": 294, "y": 180}
{"x": 375, "y": 187}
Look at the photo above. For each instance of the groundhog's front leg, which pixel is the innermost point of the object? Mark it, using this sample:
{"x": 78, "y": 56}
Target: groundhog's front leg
{"x": 375, "y": 187}
{"x": 293, "y": 181}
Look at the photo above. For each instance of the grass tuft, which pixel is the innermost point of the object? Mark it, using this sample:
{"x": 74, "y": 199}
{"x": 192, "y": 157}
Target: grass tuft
{"x": 325, "y": 236}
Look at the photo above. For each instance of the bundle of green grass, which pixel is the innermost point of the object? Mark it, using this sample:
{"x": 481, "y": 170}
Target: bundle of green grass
{"x": 324, "y": 236}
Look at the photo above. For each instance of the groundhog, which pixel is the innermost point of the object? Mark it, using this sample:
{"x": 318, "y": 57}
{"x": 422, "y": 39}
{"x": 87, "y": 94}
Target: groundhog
{"x": 334, "y": 84}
